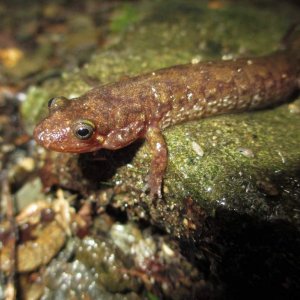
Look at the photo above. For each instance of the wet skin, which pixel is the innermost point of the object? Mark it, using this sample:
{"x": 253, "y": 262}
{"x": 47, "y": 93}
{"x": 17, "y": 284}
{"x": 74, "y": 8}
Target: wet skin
{"x": 114, "y": 115}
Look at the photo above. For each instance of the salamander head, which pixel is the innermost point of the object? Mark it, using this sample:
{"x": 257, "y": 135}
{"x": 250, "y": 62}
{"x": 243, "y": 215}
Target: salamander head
{"x": 78, "y": 126}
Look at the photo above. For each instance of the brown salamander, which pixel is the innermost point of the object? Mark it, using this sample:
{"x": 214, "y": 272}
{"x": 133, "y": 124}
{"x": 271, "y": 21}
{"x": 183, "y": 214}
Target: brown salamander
{"x": 114, "y": 115}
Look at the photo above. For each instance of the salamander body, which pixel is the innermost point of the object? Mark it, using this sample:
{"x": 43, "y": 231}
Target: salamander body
{"x": 114, "y": 115}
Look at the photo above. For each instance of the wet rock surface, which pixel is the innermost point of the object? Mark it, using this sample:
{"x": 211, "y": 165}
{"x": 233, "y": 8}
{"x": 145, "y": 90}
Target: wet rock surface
{"x": 228, "y": 225}
{"x": 242, "y": 156}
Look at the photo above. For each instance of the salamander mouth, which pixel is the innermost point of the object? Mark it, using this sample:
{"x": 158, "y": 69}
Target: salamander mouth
{"x": 82, "y": 148}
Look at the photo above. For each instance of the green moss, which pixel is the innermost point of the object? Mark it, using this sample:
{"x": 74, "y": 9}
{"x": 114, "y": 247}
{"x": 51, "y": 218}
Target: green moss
{"x": 249, "y": 164}
{"x": 34, "y": 107}
{"x": 125, "y": 16}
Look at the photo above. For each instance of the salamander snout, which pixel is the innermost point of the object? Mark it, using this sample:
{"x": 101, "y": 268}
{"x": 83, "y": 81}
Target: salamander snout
{"x": 69, "y": 136}
{"x": 50, "y": 136}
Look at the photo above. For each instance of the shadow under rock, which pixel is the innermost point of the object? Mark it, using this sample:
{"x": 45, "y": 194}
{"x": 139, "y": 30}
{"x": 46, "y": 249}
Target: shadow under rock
{"x": 248, "y": 257}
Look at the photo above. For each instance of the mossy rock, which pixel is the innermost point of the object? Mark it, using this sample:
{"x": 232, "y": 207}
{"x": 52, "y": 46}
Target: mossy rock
{"x": 248, "y": 162}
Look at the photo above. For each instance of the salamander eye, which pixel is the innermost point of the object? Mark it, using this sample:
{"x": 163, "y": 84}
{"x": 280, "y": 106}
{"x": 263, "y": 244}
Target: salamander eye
{"x": 57, "y": 103}
{"x": 50, "y": 102}
{"x": 84, "y": 129}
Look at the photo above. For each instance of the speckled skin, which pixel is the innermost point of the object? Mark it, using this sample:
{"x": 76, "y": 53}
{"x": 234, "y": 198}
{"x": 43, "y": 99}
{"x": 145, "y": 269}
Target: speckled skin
{"x": 140, "y": 107}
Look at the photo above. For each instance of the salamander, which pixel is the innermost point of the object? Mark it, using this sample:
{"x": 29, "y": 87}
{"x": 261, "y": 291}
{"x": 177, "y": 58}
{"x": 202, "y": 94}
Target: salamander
{"x": 114, "y": 115}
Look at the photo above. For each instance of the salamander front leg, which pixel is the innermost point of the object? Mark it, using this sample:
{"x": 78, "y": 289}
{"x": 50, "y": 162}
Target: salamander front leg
{"x": 159, "y": 160}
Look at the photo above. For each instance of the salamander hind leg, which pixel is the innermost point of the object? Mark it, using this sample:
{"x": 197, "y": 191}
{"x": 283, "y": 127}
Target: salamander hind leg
{"x": 159, "y": 160}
